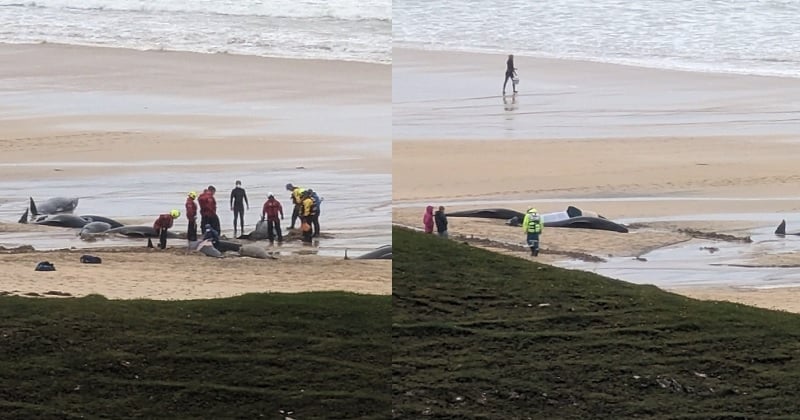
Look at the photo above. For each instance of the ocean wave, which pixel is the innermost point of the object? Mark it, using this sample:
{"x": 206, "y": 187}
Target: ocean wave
{"x": 348, "y": 11}
{"x": 755, "y": 37}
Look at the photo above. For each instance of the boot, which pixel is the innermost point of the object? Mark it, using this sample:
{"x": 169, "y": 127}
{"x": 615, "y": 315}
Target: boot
{"x": 536, "y": 253}
{"x": 533, "y": 252}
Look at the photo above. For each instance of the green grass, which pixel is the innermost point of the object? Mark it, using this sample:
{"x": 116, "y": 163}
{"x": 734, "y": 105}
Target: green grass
{"x": 471, "y": 341}
{"x": 321, "y": 355}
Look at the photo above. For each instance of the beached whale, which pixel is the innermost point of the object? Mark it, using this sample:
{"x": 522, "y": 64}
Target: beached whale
{"x": 58, "y": 220}
{"x": 381, "y": 253}
{"x": 260, "y": 233}
{"x": 53, "y": 205}
{"x": 254, "y": 251}
{"x": 572, "y": 217}
{"x": 67, "y": 220}
{"x": 92, "y": 218}
{"x": 92, "y": 229}
{"x": 781, "y": 230}
{"x": 225, "y": 246}
{"x": 142, "y": 232}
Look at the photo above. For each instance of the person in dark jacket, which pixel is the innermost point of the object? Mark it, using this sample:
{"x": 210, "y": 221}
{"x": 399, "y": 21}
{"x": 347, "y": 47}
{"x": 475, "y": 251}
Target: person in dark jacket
{"x": 441, "y": 222}
{"x": 238, "y": 203}
{"x": 162, "y": 224}
{"x": 211, "y": 235}
{"x": 191, "y": 216}
{"x": 511, "y": 71}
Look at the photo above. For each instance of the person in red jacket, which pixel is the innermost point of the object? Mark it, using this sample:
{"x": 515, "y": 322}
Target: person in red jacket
{"x": 272, "y": 208}
{"x": 202, "y": 202}
{"x": 162, "y": 224}
{"x": 191, "y": 215}
{"x": 208, "y": 210}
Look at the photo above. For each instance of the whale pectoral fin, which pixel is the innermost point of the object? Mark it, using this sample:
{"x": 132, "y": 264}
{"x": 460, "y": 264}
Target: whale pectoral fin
{"x": 781, "y": 230}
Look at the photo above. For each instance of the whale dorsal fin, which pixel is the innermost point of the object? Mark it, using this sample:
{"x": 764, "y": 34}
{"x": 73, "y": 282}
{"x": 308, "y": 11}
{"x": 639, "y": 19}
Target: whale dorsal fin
{"x": 781, "y": 230}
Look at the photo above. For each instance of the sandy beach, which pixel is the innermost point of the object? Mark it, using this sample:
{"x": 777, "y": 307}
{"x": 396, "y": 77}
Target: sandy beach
{"x": 131, "y": 132}
{"x": 174, "y": 275}
{"x": 678, "y": 156}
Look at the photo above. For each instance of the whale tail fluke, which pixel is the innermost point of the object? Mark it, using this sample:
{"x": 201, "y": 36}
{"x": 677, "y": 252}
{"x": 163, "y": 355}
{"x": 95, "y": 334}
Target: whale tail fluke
{"x": 781, "y": 230}
{"x": 24, "y": 218}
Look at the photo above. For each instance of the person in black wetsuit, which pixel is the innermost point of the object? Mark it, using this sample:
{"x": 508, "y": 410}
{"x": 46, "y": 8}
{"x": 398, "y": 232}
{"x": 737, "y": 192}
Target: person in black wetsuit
{"x": 510, "y": 72}
{"x": 238, "y": 202}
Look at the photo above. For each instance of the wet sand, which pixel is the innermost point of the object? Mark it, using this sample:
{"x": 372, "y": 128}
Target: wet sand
{"x": 453, "y": 95}
{"x": 131, "y": 132}
{"x": 174, "y": 275}
{"x": 672, "y": 153}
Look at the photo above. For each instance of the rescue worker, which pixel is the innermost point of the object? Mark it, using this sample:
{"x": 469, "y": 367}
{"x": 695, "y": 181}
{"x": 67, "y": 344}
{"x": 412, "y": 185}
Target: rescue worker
{"x": 307, "y": 215}
{"x": 191, "y": 216}
{"x": 162, "y": 224}
{"x": 238, "y": 202}
{"x": 315, "y": 211}
{"x": 532, "y": 225}
{"x": 297, "y": 192}
{"x": 208, "y": 209}
{"x": 272, "y": 208}
{"x": 202, "y": 201}
{"x": 211, "y": 235}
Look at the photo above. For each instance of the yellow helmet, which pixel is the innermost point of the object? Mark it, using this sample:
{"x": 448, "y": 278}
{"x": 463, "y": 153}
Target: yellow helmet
{"x": 192, "y": 195}
{"x": 532, "y": 210}
{"x": 175, "y": 214}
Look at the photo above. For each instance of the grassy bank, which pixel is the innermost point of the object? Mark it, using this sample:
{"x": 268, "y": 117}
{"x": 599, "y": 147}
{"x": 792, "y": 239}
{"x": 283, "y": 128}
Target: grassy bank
{"x": 320, "y": 355}
{"x": 478, "y": 335}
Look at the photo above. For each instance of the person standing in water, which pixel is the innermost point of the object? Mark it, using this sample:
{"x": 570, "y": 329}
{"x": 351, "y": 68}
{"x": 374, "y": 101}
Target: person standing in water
{"x": 511, "y": 71}
{"x": 238, "y": 202}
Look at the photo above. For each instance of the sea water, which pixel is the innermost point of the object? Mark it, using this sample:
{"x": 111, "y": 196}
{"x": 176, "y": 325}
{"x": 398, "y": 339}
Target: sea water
{"x": 751, "y": 37}
{"x": 357, "y": 30}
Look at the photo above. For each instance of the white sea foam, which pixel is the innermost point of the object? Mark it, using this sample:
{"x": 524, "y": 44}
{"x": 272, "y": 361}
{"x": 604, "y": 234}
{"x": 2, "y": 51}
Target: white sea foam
{"x": 751, "y": 37}
{"x": 338, "y": 29}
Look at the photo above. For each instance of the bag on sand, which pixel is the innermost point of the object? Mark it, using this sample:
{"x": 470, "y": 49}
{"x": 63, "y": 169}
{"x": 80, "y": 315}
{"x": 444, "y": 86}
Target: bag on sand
{"x": 90, "y": 259}
{"x": 45, "y": 266}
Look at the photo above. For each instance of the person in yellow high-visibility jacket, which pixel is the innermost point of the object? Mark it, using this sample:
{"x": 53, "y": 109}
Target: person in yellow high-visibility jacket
{"x": 297, "y": 200}
{"x": 532, "y": 225}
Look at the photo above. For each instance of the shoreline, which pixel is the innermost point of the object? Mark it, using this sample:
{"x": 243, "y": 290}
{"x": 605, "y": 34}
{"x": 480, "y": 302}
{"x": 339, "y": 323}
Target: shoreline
{"x": 412, "y": 47}
{"x": 166, "y": 50}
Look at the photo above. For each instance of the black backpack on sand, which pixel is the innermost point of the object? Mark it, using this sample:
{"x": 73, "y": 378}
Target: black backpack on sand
{"x": 45, "y": 266}
{"x": 90, "y": 259}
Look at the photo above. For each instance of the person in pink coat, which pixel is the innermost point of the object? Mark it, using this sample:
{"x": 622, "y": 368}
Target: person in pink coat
{"x": 427, "y": 219}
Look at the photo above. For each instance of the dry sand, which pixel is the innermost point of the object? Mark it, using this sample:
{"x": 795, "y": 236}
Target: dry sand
{"x": 104, "y": 111}
{"x": 107, "y": 105}
{"x": 174, "y": 275}
{"x": 622, "y": 155}
{"x": 781, "y": 298}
